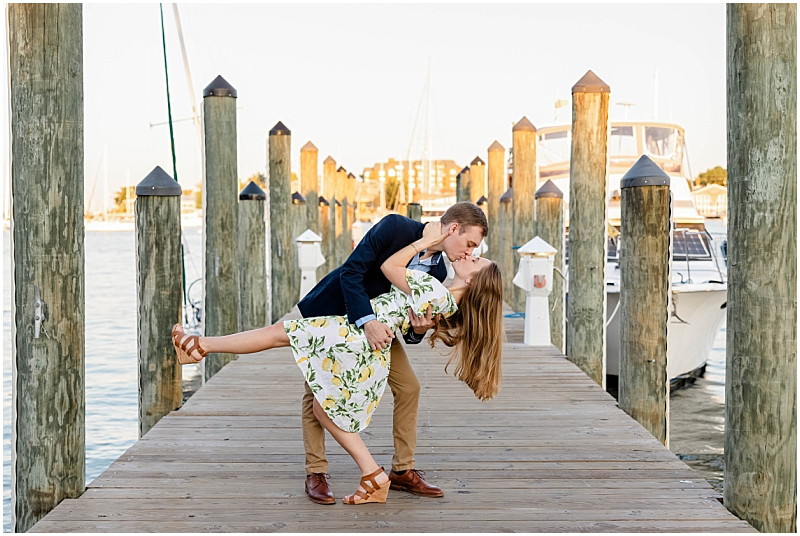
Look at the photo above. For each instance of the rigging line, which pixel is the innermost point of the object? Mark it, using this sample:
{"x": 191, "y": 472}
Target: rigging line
{"x": 169, "y": 105}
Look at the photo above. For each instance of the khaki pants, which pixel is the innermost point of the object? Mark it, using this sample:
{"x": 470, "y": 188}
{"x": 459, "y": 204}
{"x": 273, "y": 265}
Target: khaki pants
{"x": 405, "y": 389}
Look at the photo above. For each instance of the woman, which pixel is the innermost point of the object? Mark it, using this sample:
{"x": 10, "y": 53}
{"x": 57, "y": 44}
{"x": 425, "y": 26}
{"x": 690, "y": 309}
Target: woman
{"x": 348, "y": 377}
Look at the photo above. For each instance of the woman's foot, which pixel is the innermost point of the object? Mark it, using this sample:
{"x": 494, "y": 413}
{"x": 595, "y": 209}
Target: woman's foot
{"x": 373, "y": 489}
{"x": 187, "y": 346}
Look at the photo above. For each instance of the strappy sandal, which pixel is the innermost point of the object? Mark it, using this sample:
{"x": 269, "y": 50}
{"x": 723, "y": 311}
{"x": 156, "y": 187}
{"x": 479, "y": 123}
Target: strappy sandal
{"x": 376, "y": 493}
{"x": 189, "y": 345}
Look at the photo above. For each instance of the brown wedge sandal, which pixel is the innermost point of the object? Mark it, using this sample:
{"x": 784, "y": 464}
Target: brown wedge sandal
{"x": 376, "y": 493}
{"x": 189, "y": 345}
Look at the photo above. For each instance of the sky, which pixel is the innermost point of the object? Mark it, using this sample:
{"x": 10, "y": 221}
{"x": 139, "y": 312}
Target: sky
{"x": 350, "y": 78}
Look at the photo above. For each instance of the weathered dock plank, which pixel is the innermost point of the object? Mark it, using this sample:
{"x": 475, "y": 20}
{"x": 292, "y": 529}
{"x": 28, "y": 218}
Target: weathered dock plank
{"x": 551, "y": 453}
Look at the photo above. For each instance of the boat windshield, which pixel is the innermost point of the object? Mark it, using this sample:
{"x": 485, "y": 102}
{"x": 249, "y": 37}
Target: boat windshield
{"x": 622, "y": 142}
{"x": 554, "y": 147}
{"x": 661, "y": 142}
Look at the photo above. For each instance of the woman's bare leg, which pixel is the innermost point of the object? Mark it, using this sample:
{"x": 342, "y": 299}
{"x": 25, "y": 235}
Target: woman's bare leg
{"x": 246, "y": 342}
{"x": 352, "y": 443}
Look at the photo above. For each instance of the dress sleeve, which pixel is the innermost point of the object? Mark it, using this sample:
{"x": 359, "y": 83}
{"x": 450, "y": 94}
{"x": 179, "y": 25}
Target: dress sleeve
{"x": 427, "y": 291}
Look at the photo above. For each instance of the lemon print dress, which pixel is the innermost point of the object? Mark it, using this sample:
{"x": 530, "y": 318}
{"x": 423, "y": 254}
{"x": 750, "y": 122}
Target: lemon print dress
{"x": 345, "y": 375}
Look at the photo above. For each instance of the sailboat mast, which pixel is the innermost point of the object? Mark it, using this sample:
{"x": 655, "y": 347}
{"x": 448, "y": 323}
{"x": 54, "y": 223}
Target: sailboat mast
{"x": 195, "y": 116}
{"x": 426, "y": 164}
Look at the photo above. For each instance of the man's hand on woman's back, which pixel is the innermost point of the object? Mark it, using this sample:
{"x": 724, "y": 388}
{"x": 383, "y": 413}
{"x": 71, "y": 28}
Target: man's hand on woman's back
{"x": 378, "y": 334}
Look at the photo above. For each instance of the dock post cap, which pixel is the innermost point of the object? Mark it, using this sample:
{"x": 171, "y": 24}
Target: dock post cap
{"x": 508, "y": 196}
{"x": 590, "y": 83}
{"x": 341, "y": 169}
{"x": 465, "y": 170}
{"x": 482, "y": 200}
{"x": 336, "y": 203}
{"x": 252, "y": 192}
{"x": 496, "y": 146}
{"x": 308, "y": 236}
{"x": 219, "y": 87}
{"x": 158, "y": 182}
{"x": 537, "y": 247}
{"x": 476, "y": 161}
{"x": 329, "y": 160}
{"x": 644, "y": 172}
{"x": 351, "y": 176}
{"x": 308, "y": 147}
{"x": 298, "y": 199}
{"x": 324, "y": 202}
{"x": 280, "y": 130}
{"x": 523, "y": 124}
{"x": 549, "y": 189}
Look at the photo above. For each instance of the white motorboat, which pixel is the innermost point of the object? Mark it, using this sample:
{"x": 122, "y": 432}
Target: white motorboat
{"x": 699, "y": 274}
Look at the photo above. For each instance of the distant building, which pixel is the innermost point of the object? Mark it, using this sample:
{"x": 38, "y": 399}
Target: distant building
{"x": 711, "y": 201}
{"x": 439, "y": 180}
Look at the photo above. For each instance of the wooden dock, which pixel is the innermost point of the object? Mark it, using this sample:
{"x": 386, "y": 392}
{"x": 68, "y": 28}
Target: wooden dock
{"x": 552, "y": 453}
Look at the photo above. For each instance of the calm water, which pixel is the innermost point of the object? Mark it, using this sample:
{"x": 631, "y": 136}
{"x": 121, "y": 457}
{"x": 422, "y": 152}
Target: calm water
{"x": 697, "y": 412}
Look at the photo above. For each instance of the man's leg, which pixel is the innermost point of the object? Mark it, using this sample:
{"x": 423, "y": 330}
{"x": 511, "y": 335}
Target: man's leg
{"x": 314, "y": 443}
{"x": 405, "y": 389}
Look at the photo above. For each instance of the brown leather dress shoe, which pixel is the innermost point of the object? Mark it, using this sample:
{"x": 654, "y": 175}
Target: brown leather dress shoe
{"x": 318, "y": 490}
{"x": 412, "y": 482}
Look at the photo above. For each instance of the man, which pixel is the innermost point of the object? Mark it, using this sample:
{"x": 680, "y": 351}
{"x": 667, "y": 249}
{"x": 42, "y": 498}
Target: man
{"x": 347, "y": 291}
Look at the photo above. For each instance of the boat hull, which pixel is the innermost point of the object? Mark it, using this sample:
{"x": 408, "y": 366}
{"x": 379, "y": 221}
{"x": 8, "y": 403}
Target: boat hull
{"x": 695, "y": 321}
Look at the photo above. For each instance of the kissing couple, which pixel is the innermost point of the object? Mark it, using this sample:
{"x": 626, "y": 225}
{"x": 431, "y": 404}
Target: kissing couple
{"x": 346, "y": 349}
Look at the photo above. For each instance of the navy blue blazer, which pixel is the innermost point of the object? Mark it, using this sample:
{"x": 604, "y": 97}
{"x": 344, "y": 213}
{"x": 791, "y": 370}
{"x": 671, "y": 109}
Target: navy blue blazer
{"x": 346, "y": 291}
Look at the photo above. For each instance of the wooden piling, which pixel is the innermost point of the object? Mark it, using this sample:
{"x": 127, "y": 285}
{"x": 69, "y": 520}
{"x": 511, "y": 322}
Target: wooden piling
{"x": 351, "y": 203}
{"x": 645, "y": 287}
{"x": 586, "y": 306}
{"x": 497, "y": 187}
{"x": 159, "y": 298}
{"x": 336, "y": 236}
{"x": 550, "y": 228}
{"x": 341, "y": 215}
{"x": 280, "y": 199}
{"x": 325, "y": 245}
{"x": 505, "y": 235}
{"x": 477, "y": 185}
{"x": 47, "y": 251}
{"x": 415, "y": 211}
{"x": 220, "y": 216}
{"x": 252, "y": 263}
{"x": 524, "y": 136}
{"x": 761, "y": 374}
{"x": 327, "y": 186}
{"x": 463, "y": 186}
{"x": 299, "y": 224}
{"x": 309, "y": 184}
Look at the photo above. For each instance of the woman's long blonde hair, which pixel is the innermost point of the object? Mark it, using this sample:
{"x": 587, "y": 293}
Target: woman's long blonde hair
{"x": 475, "y": 332}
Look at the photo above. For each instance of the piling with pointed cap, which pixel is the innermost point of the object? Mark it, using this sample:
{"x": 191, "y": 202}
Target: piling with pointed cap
{"x": 761, "y": 374}
{"x": 497, "y": 186}
{"x": 220, "y": 216}
{"x": 644, "y": 263}
{"x": 505, "y": 235}
{"x": 463, "y": 186}
{"x": 550, "y": 228}
{"x": 325, "y": 211}
{"x": 341, "y": 215}
{"x": 282, "y": 261}
{"x": 586, "y": 307}
{"x": 45, "y": 61}
{"x": 524, "y": 182}
{"x": 253, "y": 303}
{"x": 309, "y": 184}
{"x": 351, "y": 203}
{"x": 297, "y": 212}
{"x": 328, "y": 179}
{"x": 477, "y": 185}
{"x": 157, "y": 213}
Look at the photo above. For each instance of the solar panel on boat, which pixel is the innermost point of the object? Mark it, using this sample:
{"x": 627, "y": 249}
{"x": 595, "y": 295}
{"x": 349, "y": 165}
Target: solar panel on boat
{"x": 688, "y": 243}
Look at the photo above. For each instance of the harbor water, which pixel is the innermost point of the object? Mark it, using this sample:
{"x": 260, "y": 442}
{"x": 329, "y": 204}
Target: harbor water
{"x": 696, "y": 412}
